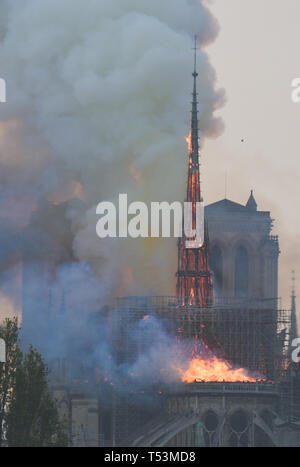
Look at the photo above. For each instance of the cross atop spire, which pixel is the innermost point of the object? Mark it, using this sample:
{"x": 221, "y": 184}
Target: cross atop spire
{"x": 195, "y": 74}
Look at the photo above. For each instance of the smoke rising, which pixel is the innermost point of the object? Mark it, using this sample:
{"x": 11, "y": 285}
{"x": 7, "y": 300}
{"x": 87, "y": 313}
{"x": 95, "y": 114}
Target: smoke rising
{"x": 98, "y": 104}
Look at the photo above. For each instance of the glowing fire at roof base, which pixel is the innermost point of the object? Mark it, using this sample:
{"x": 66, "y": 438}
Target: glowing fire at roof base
{"x": 213, "y": 370}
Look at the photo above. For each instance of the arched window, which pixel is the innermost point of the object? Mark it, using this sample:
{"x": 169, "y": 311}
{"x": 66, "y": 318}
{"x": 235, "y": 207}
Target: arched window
{"x": 211, "y": 422}
{"x": 216, "y": 264}
{"x": 239, "y": 428}
{"x": 241, "y": 273}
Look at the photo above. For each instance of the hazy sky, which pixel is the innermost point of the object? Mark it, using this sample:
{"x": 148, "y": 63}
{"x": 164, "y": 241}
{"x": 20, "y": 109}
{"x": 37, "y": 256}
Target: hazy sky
{"x": 256, "y": 56}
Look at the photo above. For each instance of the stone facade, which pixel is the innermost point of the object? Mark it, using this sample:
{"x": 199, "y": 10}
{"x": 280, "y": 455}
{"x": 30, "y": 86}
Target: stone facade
{"x": 220, "y": 415}
{"x": 82, "y": 413}
{"x": 243, "y": 253}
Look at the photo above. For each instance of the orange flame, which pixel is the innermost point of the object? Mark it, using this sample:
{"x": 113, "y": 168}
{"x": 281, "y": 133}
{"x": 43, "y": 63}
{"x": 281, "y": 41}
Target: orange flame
{"x": 189, "y": 142}
{"x": 213, "y": 369}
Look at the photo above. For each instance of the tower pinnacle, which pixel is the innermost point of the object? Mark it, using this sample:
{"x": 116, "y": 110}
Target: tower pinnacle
{"x": 251, "y": 203}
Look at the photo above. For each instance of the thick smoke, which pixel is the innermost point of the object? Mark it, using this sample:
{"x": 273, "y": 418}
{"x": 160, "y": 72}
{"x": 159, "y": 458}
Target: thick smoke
{"x": 98, "y": 104}
{"x": 71, "y": 328}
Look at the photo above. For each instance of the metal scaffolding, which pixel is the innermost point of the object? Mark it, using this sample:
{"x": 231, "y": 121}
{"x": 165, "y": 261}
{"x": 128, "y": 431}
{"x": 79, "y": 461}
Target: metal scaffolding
{"x": 252, "y": 334}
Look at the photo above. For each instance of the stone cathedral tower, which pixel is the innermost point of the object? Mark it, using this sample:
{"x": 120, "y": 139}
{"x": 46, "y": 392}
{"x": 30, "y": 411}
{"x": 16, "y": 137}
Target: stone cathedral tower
{"x": 244, "y": 253}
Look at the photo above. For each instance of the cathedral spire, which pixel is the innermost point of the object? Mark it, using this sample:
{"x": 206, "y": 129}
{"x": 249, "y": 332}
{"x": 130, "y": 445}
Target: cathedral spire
{"x": 194, "y": 122}
{"x": 194, "y": 188}
{"x": 194, "y": 284}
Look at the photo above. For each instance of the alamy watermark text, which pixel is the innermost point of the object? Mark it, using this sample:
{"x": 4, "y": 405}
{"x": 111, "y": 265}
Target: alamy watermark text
{"x": 2, "y": 90}
{"x": 136, "y": 220}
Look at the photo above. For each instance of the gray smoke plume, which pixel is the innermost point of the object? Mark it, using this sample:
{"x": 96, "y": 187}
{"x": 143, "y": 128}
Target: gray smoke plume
{"x": 98, "y": 104}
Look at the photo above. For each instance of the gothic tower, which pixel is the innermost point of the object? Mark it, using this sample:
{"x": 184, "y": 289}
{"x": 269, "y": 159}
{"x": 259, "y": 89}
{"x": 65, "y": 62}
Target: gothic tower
{"x": 194, "y": 285}
{"x": 243, "y": 252}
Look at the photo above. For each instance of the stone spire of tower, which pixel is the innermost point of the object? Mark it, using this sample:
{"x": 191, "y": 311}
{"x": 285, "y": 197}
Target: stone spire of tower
{"x": 194, "y": 285}
{"x": 251, "y": 203}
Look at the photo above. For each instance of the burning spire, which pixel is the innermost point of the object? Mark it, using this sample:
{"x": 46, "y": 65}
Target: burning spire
{"x": 194, "y": 146}
{"x": 194, "y": 285}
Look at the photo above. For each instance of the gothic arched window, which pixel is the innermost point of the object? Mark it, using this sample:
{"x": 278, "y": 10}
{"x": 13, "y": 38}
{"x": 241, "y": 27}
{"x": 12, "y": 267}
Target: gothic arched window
{"x": 241, "y": 288}
{"x": 239, "y": 428}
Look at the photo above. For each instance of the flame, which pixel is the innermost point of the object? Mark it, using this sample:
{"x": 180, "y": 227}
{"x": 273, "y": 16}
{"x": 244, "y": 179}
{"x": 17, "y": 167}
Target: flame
{"x": 189, "y": 142}
{"x": 213, "y": 369}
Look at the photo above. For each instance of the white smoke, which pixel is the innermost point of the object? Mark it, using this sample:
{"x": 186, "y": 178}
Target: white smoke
{"x": 99, "y": 97}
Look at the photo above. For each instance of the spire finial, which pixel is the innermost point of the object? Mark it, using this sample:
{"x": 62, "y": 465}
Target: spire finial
{"x": 195, "y": 74}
